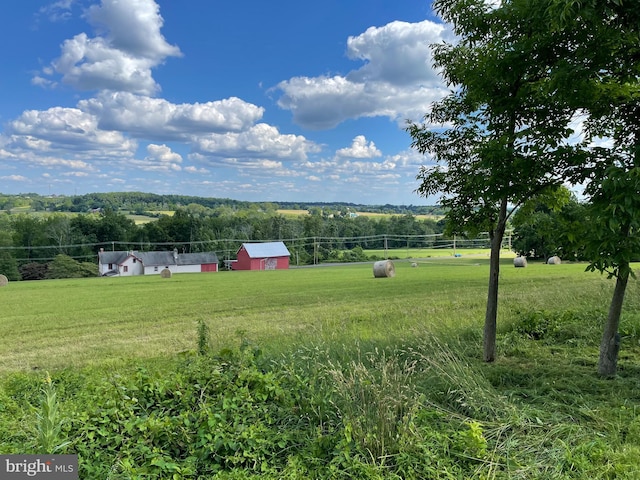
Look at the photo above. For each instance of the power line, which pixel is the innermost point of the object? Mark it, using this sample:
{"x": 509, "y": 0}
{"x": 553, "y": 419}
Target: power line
{"x": 435, "y": 240}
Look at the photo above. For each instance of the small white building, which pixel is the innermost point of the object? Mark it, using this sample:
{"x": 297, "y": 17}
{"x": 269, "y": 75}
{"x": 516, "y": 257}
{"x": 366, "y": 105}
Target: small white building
{"x": 129, "y": 263}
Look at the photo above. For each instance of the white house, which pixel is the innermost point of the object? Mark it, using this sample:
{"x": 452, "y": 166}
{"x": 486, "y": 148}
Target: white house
{"x": 128, "y": 263}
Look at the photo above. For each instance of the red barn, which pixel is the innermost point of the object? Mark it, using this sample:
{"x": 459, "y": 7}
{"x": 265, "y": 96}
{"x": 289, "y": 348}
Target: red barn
{"x": 262, "y": 256}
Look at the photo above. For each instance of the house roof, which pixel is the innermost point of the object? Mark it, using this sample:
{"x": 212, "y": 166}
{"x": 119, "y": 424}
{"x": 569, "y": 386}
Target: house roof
{"x": 151, "y": 259}
{"x": 266, "y": 250}
{"x": 112, "y": 257}
{"x": 197, "y": 258}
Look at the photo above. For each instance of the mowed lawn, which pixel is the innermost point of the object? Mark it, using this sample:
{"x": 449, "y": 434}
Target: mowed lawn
{"x": 48, "y": 325}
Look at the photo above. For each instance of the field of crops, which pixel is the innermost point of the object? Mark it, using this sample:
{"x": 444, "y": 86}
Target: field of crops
{"x": 324, "y": 372}
{"x": 297, "y": 213}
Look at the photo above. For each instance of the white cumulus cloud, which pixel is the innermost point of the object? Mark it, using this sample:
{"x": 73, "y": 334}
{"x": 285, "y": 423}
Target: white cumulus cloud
{"x": 127, "y": 46}
{"x": 60, "y": 128}
{"x": 160, "y": 158}
{"x": 396, "y": 80}
{"x": 359, "y": 149}
{"x": 148, "y": 117}
{"x": 260, "y": 141}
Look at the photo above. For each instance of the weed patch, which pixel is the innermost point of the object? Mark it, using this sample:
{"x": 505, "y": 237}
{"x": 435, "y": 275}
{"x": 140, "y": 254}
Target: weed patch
{"x": 566, "y": 326}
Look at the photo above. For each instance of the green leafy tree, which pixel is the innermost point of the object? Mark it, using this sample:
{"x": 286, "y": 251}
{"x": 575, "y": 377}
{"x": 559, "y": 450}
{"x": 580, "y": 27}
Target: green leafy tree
{"x": 29, "y": 234}
{"x": 64, "y": 266}
{"x": 546, "y": 226}
{"x": 8, "y": 263}
{"x": 497, "y": 139}
{"x": 115, "y": 226}
{"x": 612, "y": 241}
{"x": 58, "y": 231}
{"x": 9, "y": 266}
{"x": 601, "y": 76}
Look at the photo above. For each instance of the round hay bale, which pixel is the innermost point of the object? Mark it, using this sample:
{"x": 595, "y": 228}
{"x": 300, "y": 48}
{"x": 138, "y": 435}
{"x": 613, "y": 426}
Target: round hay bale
{"x": 555, "y": 260}
{"x": 165, "y": 273}
{"x": 520, "y": 262}
{"x": 384, "y": 268}
{"x": 3, "y": 280}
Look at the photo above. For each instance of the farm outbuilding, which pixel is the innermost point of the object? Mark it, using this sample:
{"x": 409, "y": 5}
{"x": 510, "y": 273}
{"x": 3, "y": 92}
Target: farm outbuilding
{"x": 262, "y": 256}
{"x": 128, "y": 263}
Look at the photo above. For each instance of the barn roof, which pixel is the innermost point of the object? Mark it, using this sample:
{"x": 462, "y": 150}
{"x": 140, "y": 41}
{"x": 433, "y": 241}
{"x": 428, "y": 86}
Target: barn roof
{"x": 266, "y": 249}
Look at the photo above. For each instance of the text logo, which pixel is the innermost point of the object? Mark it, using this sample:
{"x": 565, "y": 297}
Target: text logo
{"x": 50, "y": 467}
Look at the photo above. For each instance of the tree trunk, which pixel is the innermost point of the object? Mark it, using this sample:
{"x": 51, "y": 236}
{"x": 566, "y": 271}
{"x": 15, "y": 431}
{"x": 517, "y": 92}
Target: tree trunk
{"x": 490, "y": 319}
{"x": 610, "y": 344}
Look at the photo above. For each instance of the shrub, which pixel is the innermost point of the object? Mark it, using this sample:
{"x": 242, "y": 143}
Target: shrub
{"x": 63, "y": 266}
{"x": 34, "y": 271}
{"x": 535, "y": 324}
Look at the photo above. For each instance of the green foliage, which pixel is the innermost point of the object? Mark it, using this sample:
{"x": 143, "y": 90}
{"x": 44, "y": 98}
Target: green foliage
{"x": 374, "y": 402}
{"x": 356, "y": 254}
{"x": 601, "y": 77}
{"x": 64, "y": 266}
{"x": 612, "y": 236}
{"x": 416, "y": 409}
{"x": 34, "y": 271}
{"x": 49, "y": 421}
{"x": 559, "y": 326}
{"x": 87, "y": 269}
{"x": 498, "y": 135}
{"x": 545, "y": 226}
{"x": 237, "y": 415}
{"x": 150, "y": 203}
{"x": 310, "y": 238}
{"x": 206, "y": 416}
{"x": 203, "y": 337}
{"x": 9, "y": 266}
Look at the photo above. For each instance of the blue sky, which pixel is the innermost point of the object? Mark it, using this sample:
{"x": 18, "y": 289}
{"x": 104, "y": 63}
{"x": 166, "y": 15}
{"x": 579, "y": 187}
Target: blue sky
{"x": 251, "y": 100}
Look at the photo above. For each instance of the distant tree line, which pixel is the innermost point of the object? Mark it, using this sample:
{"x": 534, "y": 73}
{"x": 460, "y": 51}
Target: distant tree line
{"x": 150, "y": 203}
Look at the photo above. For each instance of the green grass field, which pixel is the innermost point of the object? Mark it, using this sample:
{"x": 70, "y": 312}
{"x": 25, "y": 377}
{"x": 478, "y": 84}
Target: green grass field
{"x": 359, "y": 377}
{"x": 57, "y": 323}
